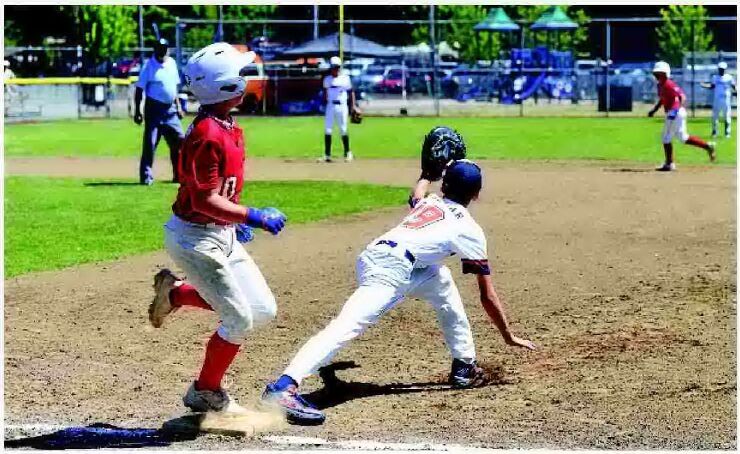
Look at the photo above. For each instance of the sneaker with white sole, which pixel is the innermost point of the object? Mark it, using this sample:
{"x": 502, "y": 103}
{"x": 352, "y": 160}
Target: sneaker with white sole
{"x": 161, "y": 306}
{"x": 324, "y": 159}
{"x": 297, "y": 409}
{"x": 208, "y": 400}
{"x": 464, "y": 375}
{"x": 349, "y": 157}
{"x": 666, "y": 167}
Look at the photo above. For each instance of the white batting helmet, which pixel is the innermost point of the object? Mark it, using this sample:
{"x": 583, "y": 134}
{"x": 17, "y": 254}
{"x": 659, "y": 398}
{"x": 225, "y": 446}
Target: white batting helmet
{"x": 214, "y": 73}
{"x": 722, "y": 65}
{"x": 335, "y": 61}
{"x": 662, "y": 67}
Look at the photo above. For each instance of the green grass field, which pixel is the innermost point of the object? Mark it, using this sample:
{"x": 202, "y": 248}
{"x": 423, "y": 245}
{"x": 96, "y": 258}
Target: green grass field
{"x": 624, "y": 139}
{"x": 52, "y": 223}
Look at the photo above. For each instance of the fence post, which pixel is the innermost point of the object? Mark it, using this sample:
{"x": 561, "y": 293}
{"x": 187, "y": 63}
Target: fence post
{"x": 521, "y": 70}
{"x": 178, "y": 44}
{"x": 433, "y": 42}
{"x": 693, "y": 69}
{"x": 141, "y": 33}
{"x": 608, "y": 63}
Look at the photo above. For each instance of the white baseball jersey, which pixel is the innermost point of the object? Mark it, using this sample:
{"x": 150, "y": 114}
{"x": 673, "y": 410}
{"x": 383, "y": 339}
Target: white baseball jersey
{"x": 436, "y": 229}
{"x": 337, "y": 88}
{"x": 723, "y": 86}
{"x": 386, "y": 274}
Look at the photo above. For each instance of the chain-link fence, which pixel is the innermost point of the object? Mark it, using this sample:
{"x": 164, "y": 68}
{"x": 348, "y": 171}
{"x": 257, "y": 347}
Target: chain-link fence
{"x": 426, "y": 79}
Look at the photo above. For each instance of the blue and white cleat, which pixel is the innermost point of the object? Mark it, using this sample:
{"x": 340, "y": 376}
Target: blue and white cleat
{"x": 464, "y": 375}
{"x": 297, "y": 409}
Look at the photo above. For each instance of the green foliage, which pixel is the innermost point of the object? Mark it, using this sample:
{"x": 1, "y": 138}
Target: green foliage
{"x": 675, "y": 35}
{"x": 53, "y": 223}
{"x": 460, "y": 34}
{"x": 106, "y": 29}
{"x": 563, "y": 40}
{"x": 473, "y": 46}
{"x": 201, "y": 35}
{"x": 12, "y": 34}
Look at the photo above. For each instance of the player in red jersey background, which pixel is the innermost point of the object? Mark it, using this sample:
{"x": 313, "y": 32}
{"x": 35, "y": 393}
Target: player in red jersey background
{"x": 671, "y": 98}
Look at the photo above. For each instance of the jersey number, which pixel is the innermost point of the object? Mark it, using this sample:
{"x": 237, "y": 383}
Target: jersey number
{"x": 228, "y": 188}
{"x": 422, "y": 216}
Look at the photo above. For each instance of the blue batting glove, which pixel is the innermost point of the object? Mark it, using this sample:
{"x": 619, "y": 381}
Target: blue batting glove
{"x": 270, "y": 219}
{"x": 244, "y": 233}
{"x": 672, "y": 114}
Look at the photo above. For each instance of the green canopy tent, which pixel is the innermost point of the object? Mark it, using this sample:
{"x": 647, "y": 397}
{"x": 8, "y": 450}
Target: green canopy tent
{"x": 497, "y": 21}
{"x": 554, "y": 20}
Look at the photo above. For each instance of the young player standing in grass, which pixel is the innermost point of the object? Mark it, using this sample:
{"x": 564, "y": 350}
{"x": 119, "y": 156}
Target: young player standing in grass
{"x": 407, "y": 261}
{"x": 723, "y": 86}
{"x": 203, "y": 236}
{"x": 671, "y": 97}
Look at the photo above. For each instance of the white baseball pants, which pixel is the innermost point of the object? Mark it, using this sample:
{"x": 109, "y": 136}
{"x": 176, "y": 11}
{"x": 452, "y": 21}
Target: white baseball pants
{"x": 675, "y": 128}
{"x": 224, "y": 275}
{"x": 336, "y": 113}
{"x": 384, "y": 280}
{"x": 723, "y": 108}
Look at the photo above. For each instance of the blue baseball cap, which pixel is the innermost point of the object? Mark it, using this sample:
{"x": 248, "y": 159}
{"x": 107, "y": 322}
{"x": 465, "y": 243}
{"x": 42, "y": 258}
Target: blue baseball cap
{"x": 462, "y": 181}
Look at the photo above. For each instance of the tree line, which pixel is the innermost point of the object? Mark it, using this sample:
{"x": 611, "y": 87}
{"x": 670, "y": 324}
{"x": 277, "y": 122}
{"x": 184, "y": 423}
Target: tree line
{"x": 107, "y": 31}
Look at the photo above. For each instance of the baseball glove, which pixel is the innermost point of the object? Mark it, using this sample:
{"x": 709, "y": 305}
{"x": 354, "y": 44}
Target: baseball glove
{"x": 356, "y": 116}
{"x": 441, "y": 145}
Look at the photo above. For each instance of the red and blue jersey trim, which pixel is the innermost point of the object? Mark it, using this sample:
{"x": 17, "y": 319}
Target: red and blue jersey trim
{"x": 475, "y": 267}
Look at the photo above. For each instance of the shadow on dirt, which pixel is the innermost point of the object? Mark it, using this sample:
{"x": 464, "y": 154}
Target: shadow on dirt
{"x": 336, "y": 392}
{"x": 101, "y": 436}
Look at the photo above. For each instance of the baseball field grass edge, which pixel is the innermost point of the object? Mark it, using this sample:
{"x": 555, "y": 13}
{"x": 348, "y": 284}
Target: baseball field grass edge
{"x": 54, "y": 223}
{"x": 557, "y": 138}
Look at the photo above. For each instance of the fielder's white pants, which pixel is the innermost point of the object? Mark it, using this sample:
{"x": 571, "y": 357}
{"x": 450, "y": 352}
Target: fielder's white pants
{"x": 721, "y": 107}
{"x": 675, "y": 128}
{"x": 217, "y": 265}
{"x": 384, "y": 280}
{"x": 336, "y": 113}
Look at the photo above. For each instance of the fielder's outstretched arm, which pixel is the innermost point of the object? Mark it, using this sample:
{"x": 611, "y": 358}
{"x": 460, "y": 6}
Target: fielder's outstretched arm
{"x": 495, "y": 310}
{"x": 420, "y": 191}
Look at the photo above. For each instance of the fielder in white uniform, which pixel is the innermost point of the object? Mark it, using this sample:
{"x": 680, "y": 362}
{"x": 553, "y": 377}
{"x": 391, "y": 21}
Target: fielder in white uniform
{"x": 722, "y": 85}
{"x": 407, "y": 261}
{"x": 339, "y": 99}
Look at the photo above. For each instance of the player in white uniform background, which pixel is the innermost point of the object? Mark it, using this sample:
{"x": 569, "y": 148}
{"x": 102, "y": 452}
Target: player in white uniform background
{"x": 339, "y": 99}
{"x": 722, "y": 85}
{"x": 407, "y": 261}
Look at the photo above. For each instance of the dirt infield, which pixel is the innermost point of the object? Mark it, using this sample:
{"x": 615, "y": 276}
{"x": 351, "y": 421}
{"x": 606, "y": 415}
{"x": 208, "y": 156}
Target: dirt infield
{"x": 626, "y": 279}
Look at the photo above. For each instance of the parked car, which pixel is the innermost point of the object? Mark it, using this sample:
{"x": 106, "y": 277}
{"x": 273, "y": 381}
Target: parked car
{"x": 371, "y": 78}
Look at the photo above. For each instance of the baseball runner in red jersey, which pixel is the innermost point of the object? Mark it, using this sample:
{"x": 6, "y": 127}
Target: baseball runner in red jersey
{"x": 407, "y": 261}
{"x": 671, "y": 98}
{"x": 208, "y": 224}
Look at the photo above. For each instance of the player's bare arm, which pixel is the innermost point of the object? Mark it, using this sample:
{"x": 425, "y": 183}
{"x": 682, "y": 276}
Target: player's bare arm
{"x": 492, "y": 305}
{"x": 212, "y": 203}
{"x": 138, "y": 95}
{"x": 654, "y": 109}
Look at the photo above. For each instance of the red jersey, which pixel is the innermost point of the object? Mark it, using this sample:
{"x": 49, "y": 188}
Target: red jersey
{"x": 670, "y": 95}
{"x": 212, "y": 156}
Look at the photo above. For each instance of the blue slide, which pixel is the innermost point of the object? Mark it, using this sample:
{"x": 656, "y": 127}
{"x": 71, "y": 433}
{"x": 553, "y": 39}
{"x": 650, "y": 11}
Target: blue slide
{"x": 531, "y": 85}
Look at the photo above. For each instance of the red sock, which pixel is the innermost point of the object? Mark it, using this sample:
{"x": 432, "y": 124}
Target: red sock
{"x": 219, "y": 355}
{"x": 697, "y": 142}
{"x": 187, "y": 295}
